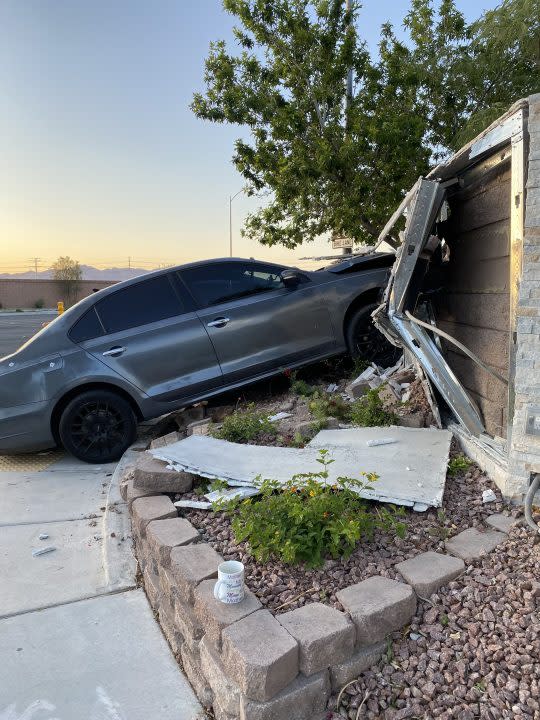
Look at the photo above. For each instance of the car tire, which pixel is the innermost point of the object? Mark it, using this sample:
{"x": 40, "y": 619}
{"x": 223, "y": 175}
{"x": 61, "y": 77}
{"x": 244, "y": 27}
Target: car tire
{"x": 365, "y": 342}
{"x": 97, "y": 426}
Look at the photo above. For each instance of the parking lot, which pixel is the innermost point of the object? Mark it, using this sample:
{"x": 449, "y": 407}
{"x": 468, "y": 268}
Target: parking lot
{"x": 17, "y": 328}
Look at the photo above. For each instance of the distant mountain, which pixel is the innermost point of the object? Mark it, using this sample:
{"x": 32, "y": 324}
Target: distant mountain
{"x": 89, "y": 273}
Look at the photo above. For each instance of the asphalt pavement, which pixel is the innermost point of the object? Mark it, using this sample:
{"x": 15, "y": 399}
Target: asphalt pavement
{"x": 79, "y": 639}
{"x": 18, "y": 327}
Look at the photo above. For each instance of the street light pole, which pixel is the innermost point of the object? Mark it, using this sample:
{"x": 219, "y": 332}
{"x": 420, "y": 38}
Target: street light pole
{"x": 231, "y": 198}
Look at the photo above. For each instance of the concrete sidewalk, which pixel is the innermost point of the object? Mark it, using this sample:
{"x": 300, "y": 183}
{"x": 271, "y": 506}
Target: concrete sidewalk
{"x": 79, "y": 640}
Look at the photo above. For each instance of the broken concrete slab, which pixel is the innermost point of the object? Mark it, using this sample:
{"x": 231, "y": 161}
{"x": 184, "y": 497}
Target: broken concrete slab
{"x": 472, "y": 544}
{"x": 502, "y": 523}
{"x": 428, "y": 571}
{"x": 411, "y": 470}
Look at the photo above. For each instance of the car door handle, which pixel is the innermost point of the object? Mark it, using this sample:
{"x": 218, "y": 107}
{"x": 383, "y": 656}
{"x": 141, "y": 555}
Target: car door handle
{"x": 218, "y": 322}
{"x": 115, "y": 351}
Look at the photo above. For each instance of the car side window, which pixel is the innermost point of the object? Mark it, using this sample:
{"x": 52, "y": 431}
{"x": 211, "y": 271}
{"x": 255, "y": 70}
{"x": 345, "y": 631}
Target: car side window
{"x": 146, "y": 302}
{"x": 87, "y": 327}
{"x": 222, "y": 282}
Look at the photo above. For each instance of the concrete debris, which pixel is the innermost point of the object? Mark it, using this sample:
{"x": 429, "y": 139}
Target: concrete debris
{"x": 279, "y": 416}
{"x": 332, "y": 388}
{"x": 424, "y": 451}
{"x": 231, "y": 494}
{"x": 43, "y": 550}
{"x": 194, "y": 504}
{"x": 488, "y": 496}
{"x": 380, "y": 441}
{"x": 43, "y": 536}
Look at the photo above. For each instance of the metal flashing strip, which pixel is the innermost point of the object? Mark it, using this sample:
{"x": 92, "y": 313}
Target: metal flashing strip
{"x": 498, "y": 135}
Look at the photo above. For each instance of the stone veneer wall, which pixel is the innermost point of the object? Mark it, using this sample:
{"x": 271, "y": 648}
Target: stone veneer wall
{"x": 524, "y": 450}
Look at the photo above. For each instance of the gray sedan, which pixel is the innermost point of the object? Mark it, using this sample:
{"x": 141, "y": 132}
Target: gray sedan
{"x": 165, "y": 340}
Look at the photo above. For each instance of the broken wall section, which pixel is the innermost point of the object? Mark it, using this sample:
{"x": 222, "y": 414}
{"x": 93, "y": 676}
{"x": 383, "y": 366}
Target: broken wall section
{"x": 524, "y": 450}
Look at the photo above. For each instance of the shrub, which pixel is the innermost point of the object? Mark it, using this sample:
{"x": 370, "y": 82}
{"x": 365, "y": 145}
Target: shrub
{"x": 323, "y": 406}
{"x": 40, "y": 303}
{"x": 458, "y": 464}
{"x": 245, "y": 426}
{"x": 301, "y": 387}
{"x": 369, "y": 411}
{"x": 306, "y": 518}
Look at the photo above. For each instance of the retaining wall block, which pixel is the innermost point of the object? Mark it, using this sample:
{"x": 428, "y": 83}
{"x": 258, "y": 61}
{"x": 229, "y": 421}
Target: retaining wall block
{"x": 163, "y": 535}
{"x": 260, "y": 655}
{"x": 363, "y": 659}
{"x": 226, "y": 692}
{"x": 214, "y": 615}
{"x": 152, "y": 474}
{"x": 324, "y": 635}
{"x": 304, "y": 699}
{"x": 471, "y": 544}
{"x": 428, "y": 571}
{"x": 146, "y": 509}
{"x": 378, "y": 606}
{"x": 188, "y": 626}
{"x": 152, "y": 587}
{"x": 190, "y": 565}
{"x": 168, "y": 625}
{"x": 192, "y": 668}
{"x": 133, "y": 493}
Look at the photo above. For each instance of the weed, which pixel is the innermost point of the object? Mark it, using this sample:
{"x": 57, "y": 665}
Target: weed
{"x": 369, "y": 411}
{"x": 359, "y": 365}
{"x": 458, "y": 464}
{"x": 243, "y": 427}
{"x": 443, "y": 619}
{"x": 322, "y": 406}
{"x": 218, "y": 485}
{"x": 480, "y": 687}
{"x": 306, "y": 518}
{"x": 40, "y": 303}
{"x": 441, "y": 532}
{"x": 301, "y": 387}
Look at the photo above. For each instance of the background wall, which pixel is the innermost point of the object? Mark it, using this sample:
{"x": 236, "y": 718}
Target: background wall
{"x": 25, "y": 293}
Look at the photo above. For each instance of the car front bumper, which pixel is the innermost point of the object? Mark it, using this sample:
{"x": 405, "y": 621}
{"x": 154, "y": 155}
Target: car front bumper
{"x": 26, "y": 428}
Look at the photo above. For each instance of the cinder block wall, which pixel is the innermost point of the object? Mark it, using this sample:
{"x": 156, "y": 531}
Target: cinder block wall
{"x": 17, "y": 293}
{"x": 524, "y": 450}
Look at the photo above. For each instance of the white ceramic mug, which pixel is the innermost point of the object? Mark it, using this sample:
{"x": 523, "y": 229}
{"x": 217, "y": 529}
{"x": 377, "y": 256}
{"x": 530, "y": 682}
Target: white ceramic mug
{"x": 229, "y": 588}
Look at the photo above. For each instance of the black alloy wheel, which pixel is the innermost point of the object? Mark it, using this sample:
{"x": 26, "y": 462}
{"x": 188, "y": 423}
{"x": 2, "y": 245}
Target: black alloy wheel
{"x": 364, "y": 341}
{"x": 97, "y": 426}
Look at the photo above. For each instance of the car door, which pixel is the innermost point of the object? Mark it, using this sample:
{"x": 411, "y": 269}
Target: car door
{"x": 151, "y": 336}
{"x": 256, "y": 324}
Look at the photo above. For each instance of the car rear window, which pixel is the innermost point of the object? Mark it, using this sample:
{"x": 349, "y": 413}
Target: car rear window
{"x": 140, "y": 304}
{"x": 87, "y": 327}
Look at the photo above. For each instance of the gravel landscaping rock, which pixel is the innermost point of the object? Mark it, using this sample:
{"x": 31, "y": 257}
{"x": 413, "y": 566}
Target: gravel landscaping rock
{"x": 475, "y": 649}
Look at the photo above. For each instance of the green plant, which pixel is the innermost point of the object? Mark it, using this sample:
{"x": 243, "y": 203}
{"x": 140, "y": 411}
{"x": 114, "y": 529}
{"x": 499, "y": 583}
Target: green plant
{"x": 245, "y": 426}
{"x": 18, "y": 310}
{"x": 218, "y": 485}
{"x": 322, "y": 406}
{"x": 307, "y": 518}
{"x": 368, "y": 411}
{"x": 458, "y": 464}
{"x": 359, "y": 365}
{"x": 440, "y": 531}
{"x": 301, "y": 387}
{"x": 40, "y": 303}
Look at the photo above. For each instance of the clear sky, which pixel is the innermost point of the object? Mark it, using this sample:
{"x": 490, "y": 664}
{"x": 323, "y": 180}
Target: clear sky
{"x": 100, "y": 156}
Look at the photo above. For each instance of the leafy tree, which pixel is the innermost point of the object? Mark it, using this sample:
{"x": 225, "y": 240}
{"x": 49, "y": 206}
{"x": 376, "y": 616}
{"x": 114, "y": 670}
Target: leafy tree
{"x": 327, "y": 166}
{"x": 68, "y": 273}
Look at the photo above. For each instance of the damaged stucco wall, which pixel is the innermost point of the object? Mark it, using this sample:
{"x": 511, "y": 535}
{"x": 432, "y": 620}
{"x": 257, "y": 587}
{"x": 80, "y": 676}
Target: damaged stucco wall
{"x": 524, "y": 449}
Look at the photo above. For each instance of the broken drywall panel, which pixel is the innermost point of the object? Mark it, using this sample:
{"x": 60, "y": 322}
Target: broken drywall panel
{"x": 411, "y": 471}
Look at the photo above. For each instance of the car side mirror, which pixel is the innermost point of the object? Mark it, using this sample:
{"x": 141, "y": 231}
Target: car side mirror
{"x": 290, "y": 278}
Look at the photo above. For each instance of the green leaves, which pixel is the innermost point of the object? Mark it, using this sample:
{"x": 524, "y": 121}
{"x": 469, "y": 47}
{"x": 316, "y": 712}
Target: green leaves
{"x": 307, "y": 519}
{"x": 324, "y": 168}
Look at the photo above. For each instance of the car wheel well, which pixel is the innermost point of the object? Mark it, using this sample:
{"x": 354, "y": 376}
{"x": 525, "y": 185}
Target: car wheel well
{"x": 366, "y": 298}
{"x": 68, "y": 397}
